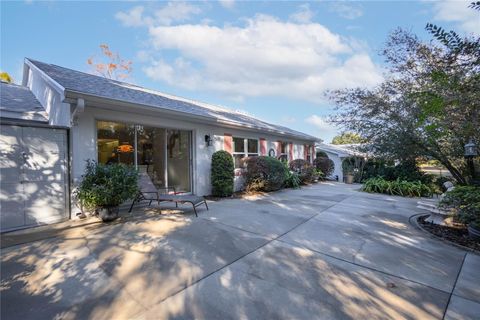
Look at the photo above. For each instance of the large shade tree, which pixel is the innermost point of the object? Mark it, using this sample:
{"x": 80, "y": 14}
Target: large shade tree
{"x": 428, "y": 104}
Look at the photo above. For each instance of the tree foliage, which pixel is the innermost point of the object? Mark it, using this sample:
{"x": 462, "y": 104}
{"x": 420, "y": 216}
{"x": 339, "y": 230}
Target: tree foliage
{"x": 5, "y": 77}
{"x": 110, "y": 65}
{"x": 428, "y": 104}
{"x": 347, "y": 138}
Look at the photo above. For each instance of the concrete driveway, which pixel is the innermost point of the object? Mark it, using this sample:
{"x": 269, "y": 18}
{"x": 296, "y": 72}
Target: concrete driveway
{"x": 323, "y": 252}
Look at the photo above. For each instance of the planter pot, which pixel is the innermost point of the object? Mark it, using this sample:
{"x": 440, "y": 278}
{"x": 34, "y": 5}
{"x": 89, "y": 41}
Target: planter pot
{"x": 108, "y": 214}
{"x": 473, "y": 232}
{"x": 349, "y": 178}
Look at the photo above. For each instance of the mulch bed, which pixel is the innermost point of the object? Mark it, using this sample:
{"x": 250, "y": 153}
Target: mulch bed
{"x": 457, "y": 233}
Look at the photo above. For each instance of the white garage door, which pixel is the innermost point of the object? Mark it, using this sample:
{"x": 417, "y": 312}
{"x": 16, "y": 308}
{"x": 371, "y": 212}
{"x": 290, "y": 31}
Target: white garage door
{"x": 33, "y": 173}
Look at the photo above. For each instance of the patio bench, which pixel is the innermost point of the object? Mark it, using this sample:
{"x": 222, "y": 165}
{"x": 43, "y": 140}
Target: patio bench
{"x": 150, "y": 192}
{"x": 195, "y": 201}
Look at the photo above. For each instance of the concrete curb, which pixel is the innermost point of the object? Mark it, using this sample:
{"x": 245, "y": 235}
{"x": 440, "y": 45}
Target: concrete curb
{"x": 413, "y": 221}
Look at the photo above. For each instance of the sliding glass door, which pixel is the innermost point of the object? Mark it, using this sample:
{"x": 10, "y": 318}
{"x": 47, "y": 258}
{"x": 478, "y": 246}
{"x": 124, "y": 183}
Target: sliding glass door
{"x": 178, "y": 148}
{"x": 151, "y": 154}
{"x": 164, "y": 154}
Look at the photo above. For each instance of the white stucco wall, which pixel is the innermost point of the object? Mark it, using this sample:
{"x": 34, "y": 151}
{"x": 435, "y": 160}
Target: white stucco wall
{"x": 84, "y": 146}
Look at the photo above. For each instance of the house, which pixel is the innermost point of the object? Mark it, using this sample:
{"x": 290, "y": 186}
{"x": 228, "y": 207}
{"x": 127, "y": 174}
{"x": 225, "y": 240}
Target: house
{"x": 337, "y": 153}
{"x": 60, "y": 117}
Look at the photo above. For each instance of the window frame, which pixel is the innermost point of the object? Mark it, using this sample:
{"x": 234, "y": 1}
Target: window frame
{"x": 245, "y": 152}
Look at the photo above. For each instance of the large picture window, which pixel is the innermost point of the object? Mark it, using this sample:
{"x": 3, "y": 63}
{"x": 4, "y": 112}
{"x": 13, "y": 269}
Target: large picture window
{"x": 244, "y": 148}
{"x": 163, "y": 154}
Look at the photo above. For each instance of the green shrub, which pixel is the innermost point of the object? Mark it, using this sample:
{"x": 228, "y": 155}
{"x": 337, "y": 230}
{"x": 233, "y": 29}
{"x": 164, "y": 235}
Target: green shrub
{"x": 106, "y": 185}
{"x": 222, "y": 174}
{"x": 325, "y": 165}
{"x": 292, "y": 179}
{"x": 264, "y": 174}
{"x": 397, "y": 187}
{"x": 406, "y": 170}
{"x": 304, "y": 169}
{"x": 465, "y": 200}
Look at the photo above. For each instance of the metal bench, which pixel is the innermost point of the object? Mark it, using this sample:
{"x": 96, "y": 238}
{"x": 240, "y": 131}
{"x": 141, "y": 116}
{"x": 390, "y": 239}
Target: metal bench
{"x": 179, "y": 198}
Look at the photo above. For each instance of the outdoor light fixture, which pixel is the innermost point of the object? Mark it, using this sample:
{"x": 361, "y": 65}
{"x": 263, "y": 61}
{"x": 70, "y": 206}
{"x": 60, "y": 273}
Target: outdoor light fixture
{"x": 470, "y": 149}
{"x": 208, "y": 140}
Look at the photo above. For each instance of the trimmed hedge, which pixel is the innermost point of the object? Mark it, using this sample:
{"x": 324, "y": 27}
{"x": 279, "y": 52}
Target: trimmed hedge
{"x": 264, "y": 174}
{"x": 222, "y": 174}
{"x": 304, "y": 169}
{"x": 325, "y": 165}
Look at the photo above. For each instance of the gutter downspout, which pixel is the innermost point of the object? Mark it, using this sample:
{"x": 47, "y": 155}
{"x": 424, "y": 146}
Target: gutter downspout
{"x": 77, "y": 109}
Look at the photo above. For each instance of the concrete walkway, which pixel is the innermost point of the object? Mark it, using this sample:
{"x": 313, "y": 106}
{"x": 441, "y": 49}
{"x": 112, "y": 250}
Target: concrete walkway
{"x": 323, "y": 252}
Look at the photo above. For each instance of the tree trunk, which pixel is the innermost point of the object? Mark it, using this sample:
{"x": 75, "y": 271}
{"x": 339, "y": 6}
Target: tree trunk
{"x": 457, "y": 175}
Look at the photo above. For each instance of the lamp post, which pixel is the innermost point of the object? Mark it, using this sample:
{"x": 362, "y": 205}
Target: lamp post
{"x": 470, "y": 153}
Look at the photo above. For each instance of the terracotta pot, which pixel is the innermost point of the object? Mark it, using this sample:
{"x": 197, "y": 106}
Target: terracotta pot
{"x": 473, "y": 232}
{"x": 349, "y": 178}
{"x": 108, "y": 214}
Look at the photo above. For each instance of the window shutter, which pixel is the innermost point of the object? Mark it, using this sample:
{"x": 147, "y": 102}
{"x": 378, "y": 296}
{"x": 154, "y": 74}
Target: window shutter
{"x": 228, "y": 142}
{"x": 290, "y": 149}
{"x": 263, "y": 147}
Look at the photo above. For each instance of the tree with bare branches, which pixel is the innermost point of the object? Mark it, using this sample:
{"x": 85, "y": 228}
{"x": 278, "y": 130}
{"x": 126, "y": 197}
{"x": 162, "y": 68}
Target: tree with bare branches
{"x": 110, "y": 65}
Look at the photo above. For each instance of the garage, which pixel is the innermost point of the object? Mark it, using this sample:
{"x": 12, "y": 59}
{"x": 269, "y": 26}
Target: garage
{"x": 33, "y": 166}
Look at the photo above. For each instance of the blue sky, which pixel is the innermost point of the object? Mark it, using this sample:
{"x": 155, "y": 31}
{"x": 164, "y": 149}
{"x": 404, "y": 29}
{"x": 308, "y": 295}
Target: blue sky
{"x": 270, "y": 59}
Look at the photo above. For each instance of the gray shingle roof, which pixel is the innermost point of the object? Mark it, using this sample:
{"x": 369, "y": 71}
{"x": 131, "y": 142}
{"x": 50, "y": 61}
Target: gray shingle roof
{"x": 73, "y": 80}
{"x": 18, "y": 102}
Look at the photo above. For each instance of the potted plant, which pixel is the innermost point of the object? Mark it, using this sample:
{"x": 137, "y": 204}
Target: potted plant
{"x": 104, "y": 187}
{"x": 348, "y": 170}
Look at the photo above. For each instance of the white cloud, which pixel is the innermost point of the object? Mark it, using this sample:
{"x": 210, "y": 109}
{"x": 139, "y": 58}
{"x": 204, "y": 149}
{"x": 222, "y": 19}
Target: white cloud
{"x": 458, "y": 12}
{"x": 303, "y": 15}
{"x": 323, "y": 128}
{"x": 347, "y": 11}
{"x": 132, "y": 18}
{"x": 263, "y": 57}
{"x": 229, "y": 4}
{"x": 171, "y": 12}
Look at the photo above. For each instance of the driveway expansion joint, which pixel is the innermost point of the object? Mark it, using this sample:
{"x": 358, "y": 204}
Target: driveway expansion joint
{"x": 454, "y": 285}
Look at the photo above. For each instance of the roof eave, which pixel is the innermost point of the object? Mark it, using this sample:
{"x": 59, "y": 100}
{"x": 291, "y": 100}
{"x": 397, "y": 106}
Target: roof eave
{"x": 72, "y": 95}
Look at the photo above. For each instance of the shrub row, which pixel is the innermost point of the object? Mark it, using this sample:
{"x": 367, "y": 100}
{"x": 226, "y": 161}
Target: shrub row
{"x": 397, "y": 187}
{"x": 262, "y": 173}
{"x": 405, "y": 171}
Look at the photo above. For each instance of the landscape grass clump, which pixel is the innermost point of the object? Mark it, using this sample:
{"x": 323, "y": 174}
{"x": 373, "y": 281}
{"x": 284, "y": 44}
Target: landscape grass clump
{"x": 397, "y": 187}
